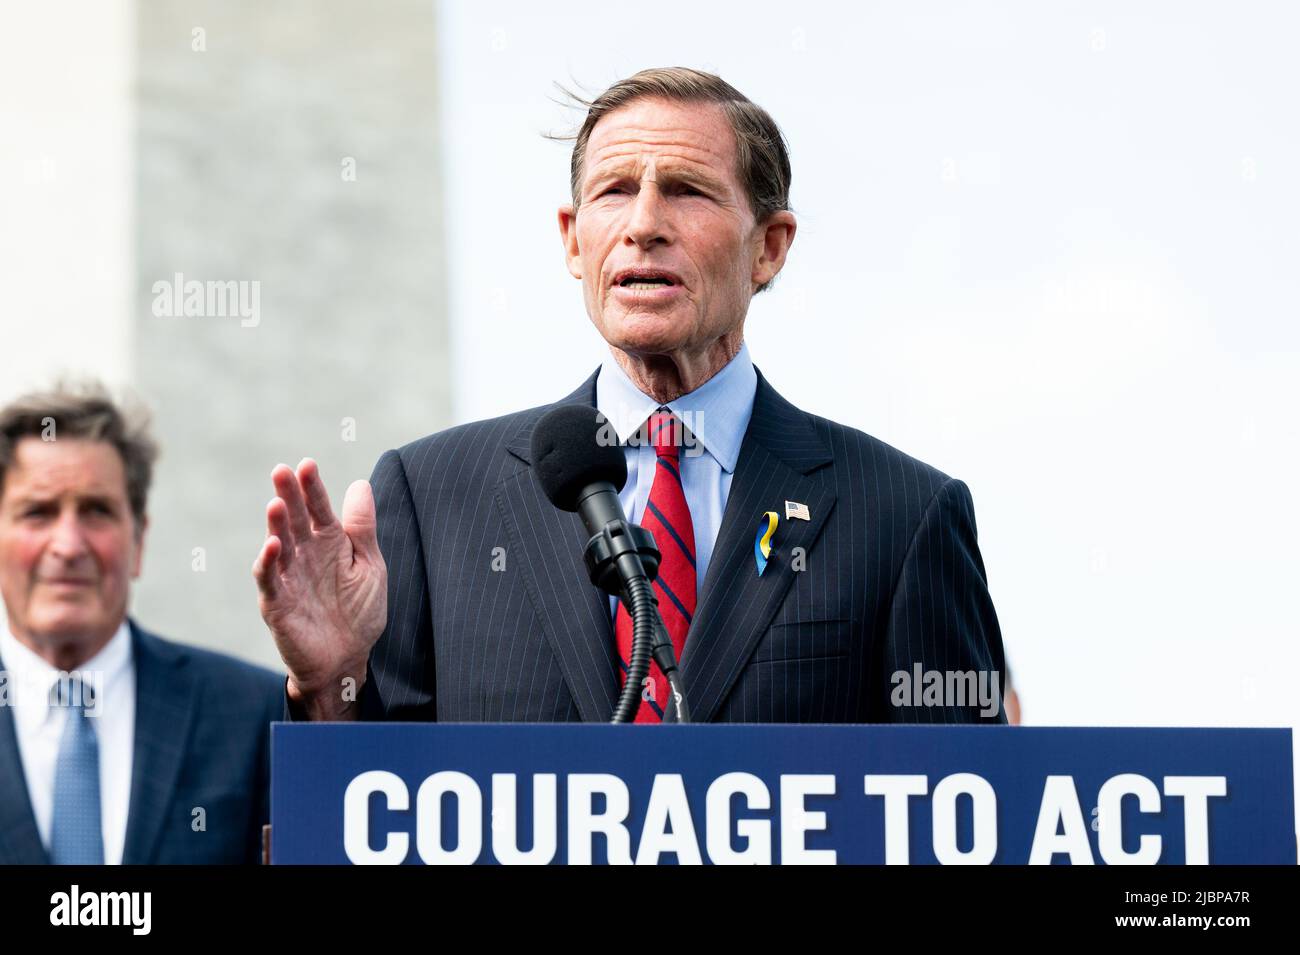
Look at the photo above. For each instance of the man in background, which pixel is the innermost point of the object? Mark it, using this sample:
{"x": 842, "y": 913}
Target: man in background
{"x": 116, "y": 746}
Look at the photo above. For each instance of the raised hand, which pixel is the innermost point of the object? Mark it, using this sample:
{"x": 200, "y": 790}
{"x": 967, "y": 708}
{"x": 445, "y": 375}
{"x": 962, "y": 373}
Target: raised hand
{"x": 322, "y": 587}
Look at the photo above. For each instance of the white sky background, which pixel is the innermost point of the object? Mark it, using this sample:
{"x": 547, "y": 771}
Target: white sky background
{"x": 1050, "y": 251}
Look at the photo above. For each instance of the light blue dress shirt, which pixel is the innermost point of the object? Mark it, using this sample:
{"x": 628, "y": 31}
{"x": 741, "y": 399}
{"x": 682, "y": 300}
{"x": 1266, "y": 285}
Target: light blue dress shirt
{"x": 715, "y": 417}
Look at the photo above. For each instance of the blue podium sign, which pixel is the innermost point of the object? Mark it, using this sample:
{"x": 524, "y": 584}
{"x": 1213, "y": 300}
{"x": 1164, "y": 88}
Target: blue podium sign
{"x": 390, "y": 793}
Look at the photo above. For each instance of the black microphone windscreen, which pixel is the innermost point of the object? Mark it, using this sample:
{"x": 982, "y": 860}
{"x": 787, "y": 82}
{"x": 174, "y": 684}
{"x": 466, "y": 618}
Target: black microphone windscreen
{"x": 574, "y": 446}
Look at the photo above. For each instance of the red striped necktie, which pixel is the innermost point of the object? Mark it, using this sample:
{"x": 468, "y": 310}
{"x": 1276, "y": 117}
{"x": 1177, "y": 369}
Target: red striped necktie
{"x": 668, "y": 518}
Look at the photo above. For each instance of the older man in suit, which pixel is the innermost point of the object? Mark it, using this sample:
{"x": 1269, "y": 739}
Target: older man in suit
{"x": 116, "y": 746}
{"x": 453, "y": 590}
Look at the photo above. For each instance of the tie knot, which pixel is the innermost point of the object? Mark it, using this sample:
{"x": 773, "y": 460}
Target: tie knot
{"x": 665, "y": 433}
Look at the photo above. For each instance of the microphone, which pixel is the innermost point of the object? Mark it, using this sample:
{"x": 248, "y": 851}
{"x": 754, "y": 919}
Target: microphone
{"x": 581, "y": 467}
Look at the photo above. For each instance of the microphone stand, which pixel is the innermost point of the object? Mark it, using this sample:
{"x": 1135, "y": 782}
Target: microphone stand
{"x": 622, "y": 559}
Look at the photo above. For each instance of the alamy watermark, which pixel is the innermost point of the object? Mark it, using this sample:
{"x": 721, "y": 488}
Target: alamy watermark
{"x": 684, "y": 431}
{"x": 82, "y": 689}
{"x": 178, "y": 298}
{"x": 130, "y": 909}
{"x": 959, "y": 688}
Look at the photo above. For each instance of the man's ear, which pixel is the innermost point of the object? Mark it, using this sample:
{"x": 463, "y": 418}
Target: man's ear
{"x": 138, "y": 564}
{"x": 773, "y": 244}
{"x": 568, "y": 220}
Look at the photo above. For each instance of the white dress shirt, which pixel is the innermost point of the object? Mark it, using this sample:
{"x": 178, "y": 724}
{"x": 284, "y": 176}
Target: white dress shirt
{"x": 39, "y": 728}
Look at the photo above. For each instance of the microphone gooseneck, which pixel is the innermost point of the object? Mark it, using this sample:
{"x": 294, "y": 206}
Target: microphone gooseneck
{"x": 581, "y": 467}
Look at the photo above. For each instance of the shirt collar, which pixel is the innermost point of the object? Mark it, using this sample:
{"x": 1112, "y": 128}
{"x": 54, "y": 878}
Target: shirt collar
{"x": 28, "y": 673}
{"x": 717, "y": 413}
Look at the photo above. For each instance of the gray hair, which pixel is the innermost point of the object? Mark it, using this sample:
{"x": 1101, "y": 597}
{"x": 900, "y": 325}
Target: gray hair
{"x": 85, "y": 411}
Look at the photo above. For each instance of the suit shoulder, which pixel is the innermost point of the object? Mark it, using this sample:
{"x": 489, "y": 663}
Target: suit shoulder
{"x": 221, "y": 669}
{"x": 890, "y": 490}
{"x": 470, "y": 438}
{"x": 865, "y": 453}
{"x": 496, "y": 430}
{"x": 463, "y": 458}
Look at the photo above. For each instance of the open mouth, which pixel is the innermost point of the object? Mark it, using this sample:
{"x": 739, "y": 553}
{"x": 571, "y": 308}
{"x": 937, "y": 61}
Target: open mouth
{"x": 635, "y": 282}
{"x": 646, "y": 279}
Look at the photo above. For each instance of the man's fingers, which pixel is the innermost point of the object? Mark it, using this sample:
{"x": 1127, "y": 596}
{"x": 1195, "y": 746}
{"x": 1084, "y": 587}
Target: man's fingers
{"x": 265, "y": 571}
{"x": 317, "y": 497}
{"x": 289, "y": 490}
{"x": 359, "y": 518}
{"x": 277, "y": 525}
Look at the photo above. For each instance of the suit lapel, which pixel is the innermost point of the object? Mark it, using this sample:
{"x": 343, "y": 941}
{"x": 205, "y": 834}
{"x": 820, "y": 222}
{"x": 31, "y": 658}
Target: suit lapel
{"x": 20, "y": 840}
{"x": 780, "y": 459}
{"x": 164, "y": 710}
{"x": 549, "y": 543}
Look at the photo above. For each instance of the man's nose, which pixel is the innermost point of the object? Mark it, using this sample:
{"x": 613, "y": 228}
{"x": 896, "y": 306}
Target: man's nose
{"x": 647, "y": 221}
{"x": 68, "y": 540}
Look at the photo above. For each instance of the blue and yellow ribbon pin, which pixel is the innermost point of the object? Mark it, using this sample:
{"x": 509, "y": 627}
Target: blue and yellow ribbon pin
{"x": 763, "y": 540}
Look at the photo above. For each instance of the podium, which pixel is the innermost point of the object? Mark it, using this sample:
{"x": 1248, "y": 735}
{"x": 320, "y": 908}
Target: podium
{"x": 393, "y": 793}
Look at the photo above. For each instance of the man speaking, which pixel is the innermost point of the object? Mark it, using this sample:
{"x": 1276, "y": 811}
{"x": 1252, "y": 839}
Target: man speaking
{"x": 810, "y": 573}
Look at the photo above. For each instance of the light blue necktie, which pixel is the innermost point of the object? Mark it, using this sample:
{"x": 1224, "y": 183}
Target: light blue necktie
{"x": 75, "y": 836}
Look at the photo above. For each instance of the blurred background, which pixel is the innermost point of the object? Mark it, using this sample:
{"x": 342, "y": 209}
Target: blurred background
{"x": 1048, "y": 248}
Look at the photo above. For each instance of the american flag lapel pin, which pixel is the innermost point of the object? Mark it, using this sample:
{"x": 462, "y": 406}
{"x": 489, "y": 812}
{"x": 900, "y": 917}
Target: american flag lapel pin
{"x": 796, "y": 511}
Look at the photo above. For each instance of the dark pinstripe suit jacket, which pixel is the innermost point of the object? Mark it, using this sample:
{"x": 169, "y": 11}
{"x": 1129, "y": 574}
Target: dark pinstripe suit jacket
{"x": 202, "y": 739}
{"x": 491, "y": 616}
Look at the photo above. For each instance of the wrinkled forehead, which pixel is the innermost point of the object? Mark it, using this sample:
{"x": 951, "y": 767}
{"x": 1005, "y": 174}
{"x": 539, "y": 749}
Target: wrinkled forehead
{"x": 64, "y": 466}
{"x": 651, "y": 132}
